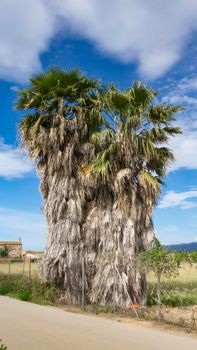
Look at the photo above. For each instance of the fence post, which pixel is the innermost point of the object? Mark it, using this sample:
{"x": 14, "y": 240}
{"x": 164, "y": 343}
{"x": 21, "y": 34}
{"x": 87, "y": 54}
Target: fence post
{"x": 9, "y": 268}
{"x": 83, "y": 282}
{"x": 23, "y": 265}
{"x": 114, "y": 287}
{"x": 30, "y": 267}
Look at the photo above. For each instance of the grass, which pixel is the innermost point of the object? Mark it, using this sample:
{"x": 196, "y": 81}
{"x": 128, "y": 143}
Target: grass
{"x": 179, "y": 291}
{"x": 17, "y": 268}
{"x": 176, "y": 292}
{"x": 22, "y": 287}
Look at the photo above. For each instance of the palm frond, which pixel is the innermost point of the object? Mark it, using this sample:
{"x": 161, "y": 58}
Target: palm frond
{"x": 163, "y": 114}
{"x": 160, "y": 162}
{"x": 105, "y": 164}
{"x": 160, "y": 135}
{"x": 145, "y": 148}
{"x": 103, "y": 137}
{"x": 148, "y": 180}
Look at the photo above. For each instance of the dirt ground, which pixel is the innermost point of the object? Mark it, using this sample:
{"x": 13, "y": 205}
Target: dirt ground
{"x": 180, "y": 319}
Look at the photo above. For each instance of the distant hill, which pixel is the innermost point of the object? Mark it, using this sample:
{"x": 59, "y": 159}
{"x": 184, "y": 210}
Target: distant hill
{"x": 183, "y": 247}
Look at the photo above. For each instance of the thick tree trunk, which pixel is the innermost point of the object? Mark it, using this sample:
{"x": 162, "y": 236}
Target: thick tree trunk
{"x": 63, "y": 209}
{"x": 116, "y": 230}
{"x": 106, "y": 232}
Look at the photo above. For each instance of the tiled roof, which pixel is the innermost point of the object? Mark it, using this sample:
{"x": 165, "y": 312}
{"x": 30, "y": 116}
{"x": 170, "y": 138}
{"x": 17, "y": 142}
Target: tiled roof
{"x": 10, "y": 243}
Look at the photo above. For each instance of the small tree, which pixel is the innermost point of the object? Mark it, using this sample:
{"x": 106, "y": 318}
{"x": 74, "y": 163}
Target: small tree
{"x": 3, "y": 252}
{"x": 161, "y": 262}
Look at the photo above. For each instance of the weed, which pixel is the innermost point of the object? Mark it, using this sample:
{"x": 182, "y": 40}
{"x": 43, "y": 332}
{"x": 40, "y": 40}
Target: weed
{"x": 23, "y": 288}
{"x": 2, "y": 346}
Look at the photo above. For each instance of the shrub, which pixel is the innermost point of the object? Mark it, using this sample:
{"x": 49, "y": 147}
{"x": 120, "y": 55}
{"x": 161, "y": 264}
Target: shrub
{"x": 24, "y": 288}
{"x": 161, "y": 262}
{"x": 193, "y": 257}
{"x": 2, "y": 346}
{"x": 3, "y": 252}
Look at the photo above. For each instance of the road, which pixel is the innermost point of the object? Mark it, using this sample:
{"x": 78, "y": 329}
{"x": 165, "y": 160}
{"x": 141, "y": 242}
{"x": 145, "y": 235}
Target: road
{"x": 26, "y": 326}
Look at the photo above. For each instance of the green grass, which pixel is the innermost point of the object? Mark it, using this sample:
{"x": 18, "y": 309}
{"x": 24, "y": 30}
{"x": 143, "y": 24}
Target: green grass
{"x": 17, "y": 268}
{"x": 26, "y": 289}
{"x": 179, "y": 291}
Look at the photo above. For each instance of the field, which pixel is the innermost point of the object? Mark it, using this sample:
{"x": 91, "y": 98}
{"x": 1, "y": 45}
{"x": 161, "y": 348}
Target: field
{"x": 183, "y": 287}
{"x": 179, "y": 291}
{"x": 18, "y": 268}
{"x": 187, "y": 275}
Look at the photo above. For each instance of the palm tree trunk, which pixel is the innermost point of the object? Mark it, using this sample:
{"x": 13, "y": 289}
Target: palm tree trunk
{"x": 117, "y": 228}
{"x": 63, "y": 210}
{"x": 107, "y": 234}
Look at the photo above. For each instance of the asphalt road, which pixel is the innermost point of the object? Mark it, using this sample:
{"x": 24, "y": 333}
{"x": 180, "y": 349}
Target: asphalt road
{"x": 26, "y": 326}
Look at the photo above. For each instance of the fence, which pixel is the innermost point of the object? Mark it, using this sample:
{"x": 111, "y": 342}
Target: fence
{"x": 29, "y": 268}
{"x": 10, "y": 266}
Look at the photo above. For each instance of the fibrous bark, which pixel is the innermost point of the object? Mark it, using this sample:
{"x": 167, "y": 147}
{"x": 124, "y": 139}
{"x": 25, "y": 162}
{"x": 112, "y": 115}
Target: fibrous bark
{"x": 117, "y": 228}
{"x": 63, "y": 198}
{"x": 107, "y": 230}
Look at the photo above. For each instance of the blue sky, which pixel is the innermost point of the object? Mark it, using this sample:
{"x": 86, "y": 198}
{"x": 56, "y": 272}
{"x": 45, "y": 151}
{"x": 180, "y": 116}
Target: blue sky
{"x": 116, "y": 41}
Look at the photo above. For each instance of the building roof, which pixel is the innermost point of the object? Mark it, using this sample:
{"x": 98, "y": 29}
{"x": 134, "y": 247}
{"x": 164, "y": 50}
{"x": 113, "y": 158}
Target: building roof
{"x": 10, "y": 243}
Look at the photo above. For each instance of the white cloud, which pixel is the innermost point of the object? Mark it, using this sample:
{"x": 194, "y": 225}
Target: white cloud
{"x": 12, "y": 162}
{"x": 174, "y": 199}
{"x": 135, "y": 30}
{"x": 184, "y": 146}
{"x": 185, "y": 150}
{"x": 187, "y": 84}
{"x": 182, "y": 99}
{"x": 181, "y": 92}
{"x": 146, "y": 32}
{"x": 29, "y": 226}
{"x": 25, "y": 30}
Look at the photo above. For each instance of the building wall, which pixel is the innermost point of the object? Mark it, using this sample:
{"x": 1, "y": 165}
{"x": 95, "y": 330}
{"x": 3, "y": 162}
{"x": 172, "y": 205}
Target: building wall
{"x": 14, "y": 251}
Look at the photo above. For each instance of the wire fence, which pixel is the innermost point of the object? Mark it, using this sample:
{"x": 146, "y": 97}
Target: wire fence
{"x": 29, "y": 268}
{"x": 9, "y": 266}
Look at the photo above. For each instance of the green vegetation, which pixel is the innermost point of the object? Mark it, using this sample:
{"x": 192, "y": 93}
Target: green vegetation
{"x": 26, "y": 289}
{"x": 161, "y": 262}
{"x": 2, "y": 346}
{"x": 180, "y": 290}
{"x": 74, "y": 125}
{"x": 3, "y": 252}
{"x": 177, "y": 291}
{"x": 17, "y": 268}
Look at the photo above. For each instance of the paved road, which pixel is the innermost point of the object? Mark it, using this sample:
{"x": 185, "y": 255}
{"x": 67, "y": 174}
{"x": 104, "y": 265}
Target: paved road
{"x": 26, "y": 326}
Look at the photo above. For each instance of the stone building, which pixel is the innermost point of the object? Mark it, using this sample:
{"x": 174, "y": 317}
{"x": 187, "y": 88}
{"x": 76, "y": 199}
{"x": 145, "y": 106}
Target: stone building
{"x": 14, "y": 249}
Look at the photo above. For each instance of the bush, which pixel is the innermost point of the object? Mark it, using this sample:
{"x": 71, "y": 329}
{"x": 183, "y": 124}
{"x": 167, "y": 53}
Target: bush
{"x": 2, "y": 346}
{"x": 193, "y": 257}
{"x": 26, "y": 289}
{"x": 3, "y": 252}
{"x": 173, "y": 298}
{"x": 161, "y": 262}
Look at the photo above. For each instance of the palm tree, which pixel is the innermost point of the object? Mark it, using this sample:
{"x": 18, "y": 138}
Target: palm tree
{"x": 128, "y": 170}
{"x": 63, "y": 110}
{"x": 101, "y": 159}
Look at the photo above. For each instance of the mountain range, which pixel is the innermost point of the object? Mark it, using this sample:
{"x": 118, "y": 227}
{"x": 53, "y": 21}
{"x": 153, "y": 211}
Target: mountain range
{"x": 183, "y": 247}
